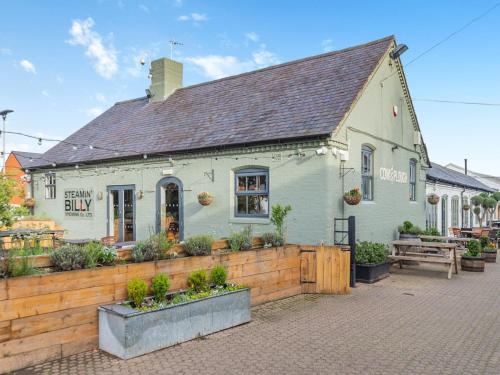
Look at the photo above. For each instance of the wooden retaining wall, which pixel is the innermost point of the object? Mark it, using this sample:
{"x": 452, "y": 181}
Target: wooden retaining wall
{"x": 50, "y": 316}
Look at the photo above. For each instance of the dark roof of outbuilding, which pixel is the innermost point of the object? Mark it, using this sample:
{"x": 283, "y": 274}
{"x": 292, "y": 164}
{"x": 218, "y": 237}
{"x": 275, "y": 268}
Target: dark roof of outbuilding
{"x": 305, "y": 98}
{"x": 442, "y": 174}
{"x": 24, "y": 158}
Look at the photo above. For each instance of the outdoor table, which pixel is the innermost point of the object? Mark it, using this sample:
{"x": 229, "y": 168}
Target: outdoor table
{"x": 124, "y": 245}
{"x": 80, "y": 242}
{"x": 468, "y": 233}
{"x": 21, "y": 232}
{"x": 418, "y": 251}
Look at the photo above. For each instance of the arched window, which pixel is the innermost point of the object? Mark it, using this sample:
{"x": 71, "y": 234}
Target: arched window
{"x": 367, "y": 172}
{"x": 413, "y": 180}
{"x": 252, "y": 192}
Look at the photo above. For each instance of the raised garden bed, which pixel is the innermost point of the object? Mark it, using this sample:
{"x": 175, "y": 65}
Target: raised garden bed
{"x": 127, "y": 332}
{"x": 371, "y": 273}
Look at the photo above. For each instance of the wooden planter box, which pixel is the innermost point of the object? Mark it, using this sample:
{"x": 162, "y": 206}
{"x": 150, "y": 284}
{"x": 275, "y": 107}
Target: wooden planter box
{"x": 490, "y": 256}
{"x": 128, "y": 333}
{"x": 371, "y": 273}
{"x": 472, "y": 264}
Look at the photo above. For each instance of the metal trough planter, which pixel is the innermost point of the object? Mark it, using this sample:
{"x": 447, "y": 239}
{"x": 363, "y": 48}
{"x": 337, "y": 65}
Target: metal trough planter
{"x": 127, "y": 333}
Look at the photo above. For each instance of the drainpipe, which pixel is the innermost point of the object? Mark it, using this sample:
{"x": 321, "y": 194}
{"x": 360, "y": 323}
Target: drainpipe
{"x": 462, "y": 207}
{"x": 465, "y": 166}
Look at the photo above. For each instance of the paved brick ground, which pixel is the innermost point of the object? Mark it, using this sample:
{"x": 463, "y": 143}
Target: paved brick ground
{"x": 415, "y": 322}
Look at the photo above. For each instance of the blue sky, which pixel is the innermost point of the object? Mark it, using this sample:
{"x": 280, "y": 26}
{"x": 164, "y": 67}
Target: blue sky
{"x": 62, "y": 63}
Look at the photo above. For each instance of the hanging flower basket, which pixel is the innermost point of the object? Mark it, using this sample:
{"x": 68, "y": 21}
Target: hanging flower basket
{"x": 205, "y": 199}
{"x": 29, "y": 202}
{"x": 352, "y": 197}
{"x": 433, "y": 199}
{"x": 466, "y": 207}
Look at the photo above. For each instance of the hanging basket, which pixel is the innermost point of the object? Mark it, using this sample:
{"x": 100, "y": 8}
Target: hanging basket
{"x": 352, "y": 200}
{"x": 466, "y": 207}
{"x": 205, "y": 199}
{"x": 433, "y": 199}
{"x": 29, "y": 202}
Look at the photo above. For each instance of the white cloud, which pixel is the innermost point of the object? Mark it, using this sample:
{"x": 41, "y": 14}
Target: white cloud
{"x": 5, "y": 51}
{"x": 59, "y": 79}
{"x": 45, "y": 93}
{"x": 104, "y": 57}
{"x": 144, "y": 8}
{"x": 94, "y": 112}
{"x": 252, "y": 36}
{"x": 217, "y": 66}
{"x": 178, "y": 2}
{"x": 28, "y": 66}
{"x": 327, "y": 45}
{"x": 197, "y": 18}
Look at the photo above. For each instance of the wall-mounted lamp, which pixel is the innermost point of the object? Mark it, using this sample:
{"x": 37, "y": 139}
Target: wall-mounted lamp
{"x": 395, "y": 147}
{"x": 139, "y": 194}
{"x": 323, "y": 150}
{"x": 100, "y": 195}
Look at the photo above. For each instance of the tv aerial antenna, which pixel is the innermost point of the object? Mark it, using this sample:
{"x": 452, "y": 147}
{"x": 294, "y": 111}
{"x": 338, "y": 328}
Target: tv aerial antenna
{"x": 173, "y": 43}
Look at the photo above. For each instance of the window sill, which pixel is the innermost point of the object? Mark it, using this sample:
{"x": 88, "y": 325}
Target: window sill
{"x": 367, "y": 202}
{"x": 249, "y": 220}
{"x": 414, "y": 202}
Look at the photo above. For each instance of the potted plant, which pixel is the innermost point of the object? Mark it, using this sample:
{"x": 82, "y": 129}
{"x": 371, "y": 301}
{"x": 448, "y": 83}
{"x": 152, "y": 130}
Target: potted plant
{"x": 489, "y": 249}
{"x": 204, "y": 198}
{"x": 372, "y": 262}
{"x": 408, "y": 231}
{"x": 145, "y": 324}
{"x": 433, "y": 198}
{"x": 472, "y": 260}
{"x": 29, "y": 202}
{"x": 352, "y": 197}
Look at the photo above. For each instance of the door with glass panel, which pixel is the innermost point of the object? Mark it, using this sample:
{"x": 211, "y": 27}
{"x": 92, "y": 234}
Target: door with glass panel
{"x": 121, "y": 212}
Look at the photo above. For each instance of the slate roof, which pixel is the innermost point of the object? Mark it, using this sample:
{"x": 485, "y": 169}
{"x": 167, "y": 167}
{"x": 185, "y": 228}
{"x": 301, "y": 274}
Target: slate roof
{"x": 442, "y": 174}
{"x": 24, "y": 158}
{"x": 305, "y": 98}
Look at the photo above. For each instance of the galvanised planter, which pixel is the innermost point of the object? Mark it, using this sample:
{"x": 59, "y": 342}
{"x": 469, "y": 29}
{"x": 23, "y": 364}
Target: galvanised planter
{"x": 371, "y": 273}
{"x": 128, "y": 333}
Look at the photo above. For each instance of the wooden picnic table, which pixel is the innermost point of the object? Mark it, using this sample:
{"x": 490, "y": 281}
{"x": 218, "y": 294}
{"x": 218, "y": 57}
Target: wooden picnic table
{"x": 421, "y": 251}
{"x": 446, "y": 239}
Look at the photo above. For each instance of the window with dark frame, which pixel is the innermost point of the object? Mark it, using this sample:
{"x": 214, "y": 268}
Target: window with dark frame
{"x": 413, "y": 180}
{"x": 50, "y": 186}
{"x": 252, "y": 193}
{"x": 367, "y": 173}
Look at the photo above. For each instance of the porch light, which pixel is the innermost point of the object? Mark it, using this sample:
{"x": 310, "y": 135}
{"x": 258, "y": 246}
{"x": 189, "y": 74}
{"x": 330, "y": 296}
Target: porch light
{"x": 398, "y": 51}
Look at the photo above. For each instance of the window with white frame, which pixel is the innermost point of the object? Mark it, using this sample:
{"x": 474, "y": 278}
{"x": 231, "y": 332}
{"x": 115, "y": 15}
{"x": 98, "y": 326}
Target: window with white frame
{"x": 50, "y": 185}
{"x": 432, "y": 213}
{"x": 252, "y": 192}
{"x": 413, "y": 180}
{"x": 367, "y": 173}
{"x": 465, "y": 224}
{"x": 455, "y": 212}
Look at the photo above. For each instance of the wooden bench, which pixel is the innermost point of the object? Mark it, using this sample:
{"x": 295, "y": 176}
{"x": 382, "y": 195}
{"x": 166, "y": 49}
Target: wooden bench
{"x": 424, "y": 252}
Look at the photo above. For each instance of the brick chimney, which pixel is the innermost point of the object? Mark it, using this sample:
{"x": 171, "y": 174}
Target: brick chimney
{"x": 166, "y": 77}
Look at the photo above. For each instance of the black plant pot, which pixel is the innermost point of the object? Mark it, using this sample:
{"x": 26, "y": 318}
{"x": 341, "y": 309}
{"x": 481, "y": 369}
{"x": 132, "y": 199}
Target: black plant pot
{"x": 371, "y": 273}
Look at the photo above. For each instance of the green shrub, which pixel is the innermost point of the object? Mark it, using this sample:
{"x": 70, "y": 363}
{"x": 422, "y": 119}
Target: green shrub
{"x": 371, "y": 252}
{"x": 160, "y": 285}
{"x": 69, "y": 257}
{"x": 409, "y": 228}
{"x": 473, "y": 249}
{"x": 219, "y": 275}
{"x": 136, "y": 291}
{"x": 199, "y": 245}
{"x": 145, "y": 251}
{"x": 278, "y": 216}
{"x": 161, "y": 243}
{"x": 20, "y": 266}
{"x": 198, "y": 280}
{"x": 484, "y": 241}
{"x": 271, "y": 239}
{"x": 432, "y": 232}
{"x": 98, "y": 255}
{"x": 241, "y": 240}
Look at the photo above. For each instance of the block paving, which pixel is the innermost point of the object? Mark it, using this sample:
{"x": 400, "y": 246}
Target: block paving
{"x": 414, "y": 322}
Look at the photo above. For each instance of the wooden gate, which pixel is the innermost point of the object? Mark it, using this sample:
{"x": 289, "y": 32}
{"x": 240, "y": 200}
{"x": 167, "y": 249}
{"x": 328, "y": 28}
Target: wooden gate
{"x": 325, "y": 269}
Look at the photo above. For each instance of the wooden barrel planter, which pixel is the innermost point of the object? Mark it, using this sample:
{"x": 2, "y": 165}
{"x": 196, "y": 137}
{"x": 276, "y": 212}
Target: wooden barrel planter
{"x": 490, "y": 255}
{"x": 472, "y": 264}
